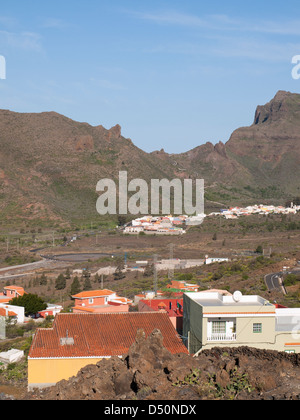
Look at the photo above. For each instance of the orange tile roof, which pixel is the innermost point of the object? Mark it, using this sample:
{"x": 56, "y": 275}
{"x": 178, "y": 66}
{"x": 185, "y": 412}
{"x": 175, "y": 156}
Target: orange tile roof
{"x": 93, "y": 293}
{"x": 18, "y": 289}
{"x": 101, "y": 335}
{"x": 5, "y": 300}
{"x": 121, "y": 300}
{"x": 3, "y": 312}
{"x": 84, "y": 309}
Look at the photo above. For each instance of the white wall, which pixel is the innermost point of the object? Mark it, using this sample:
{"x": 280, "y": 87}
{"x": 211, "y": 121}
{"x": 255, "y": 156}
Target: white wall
{"x": 19, "y": 310}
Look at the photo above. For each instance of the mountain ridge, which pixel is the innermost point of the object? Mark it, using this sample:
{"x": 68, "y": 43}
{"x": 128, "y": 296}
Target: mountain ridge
{"x": 50, "y": 164}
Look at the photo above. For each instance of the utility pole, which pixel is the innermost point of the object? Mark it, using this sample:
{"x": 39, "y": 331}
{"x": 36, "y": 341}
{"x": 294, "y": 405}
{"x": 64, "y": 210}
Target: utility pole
{"x": 101, "y": 281}
{"x": 155, "y": 274}
{"x": 171, "y": 263}
{"x": 265, "y": 253}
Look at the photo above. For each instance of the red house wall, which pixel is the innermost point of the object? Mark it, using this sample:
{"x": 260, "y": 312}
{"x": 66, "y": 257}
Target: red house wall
{"x": 96, "y": 302}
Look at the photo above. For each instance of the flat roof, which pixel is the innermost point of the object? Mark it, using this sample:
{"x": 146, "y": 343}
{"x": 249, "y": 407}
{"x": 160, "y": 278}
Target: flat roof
{"x": 216, "y": 299}
{"x": 288, "y": 319}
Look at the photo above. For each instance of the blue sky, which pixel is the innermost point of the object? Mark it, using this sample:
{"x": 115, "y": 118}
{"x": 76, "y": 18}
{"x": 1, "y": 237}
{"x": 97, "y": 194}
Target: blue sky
{"x": 174, "y": 74}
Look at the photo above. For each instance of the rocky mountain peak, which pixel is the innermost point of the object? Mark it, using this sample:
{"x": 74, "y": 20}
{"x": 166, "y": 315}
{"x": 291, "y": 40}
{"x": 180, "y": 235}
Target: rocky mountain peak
{"x": 116, "y": 131}
{"x": 274, "y": 110}
{"x": 281, "y": 95}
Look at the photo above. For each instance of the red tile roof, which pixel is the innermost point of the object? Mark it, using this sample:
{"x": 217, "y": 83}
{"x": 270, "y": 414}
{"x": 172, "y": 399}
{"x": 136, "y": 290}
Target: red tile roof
{"x": 101, "y": 335}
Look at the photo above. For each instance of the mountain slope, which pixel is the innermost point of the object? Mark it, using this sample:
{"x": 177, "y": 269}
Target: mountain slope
{"x": 50, "y": 164}
{"x": 260, "y": 161}
{"x": 270, "y": 148}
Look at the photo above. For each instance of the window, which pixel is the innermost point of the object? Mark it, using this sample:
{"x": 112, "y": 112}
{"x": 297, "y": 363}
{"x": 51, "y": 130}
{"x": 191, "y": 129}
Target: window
{"x": 219, "y": 327}
{"x": 257, "y": 328}
{"x": 91, "y": 301}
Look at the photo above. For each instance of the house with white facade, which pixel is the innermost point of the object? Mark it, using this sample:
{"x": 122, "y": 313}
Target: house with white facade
{"x": 133, "y": 230}
{"x": 216, "y": 320}
{"x": 213, "y": 260}
{"x": 14, "y": 312}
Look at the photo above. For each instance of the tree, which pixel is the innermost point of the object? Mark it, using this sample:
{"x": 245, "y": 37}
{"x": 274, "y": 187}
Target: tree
{"x": 149, "y": 270}
{"x": 121, "y": 220}
{"x": 259, "y": 250}
{"x": 32, "y": 303}
{"x": 87, "y": 284}
{"x": 75, "y": 286}
{"x": 119, "y": 275}
{"x": 290, "y": 280}
{"x": 43, "y": 280}
{"x": 60, "y": 283}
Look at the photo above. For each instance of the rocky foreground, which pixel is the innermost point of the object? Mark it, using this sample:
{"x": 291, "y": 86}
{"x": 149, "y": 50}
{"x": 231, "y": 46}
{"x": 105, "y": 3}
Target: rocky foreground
{"x": 150, "y": 372}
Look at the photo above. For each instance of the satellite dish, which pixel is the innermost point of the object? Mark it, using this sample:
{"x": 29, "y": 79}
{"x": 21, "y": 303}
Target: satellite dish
{"x": 237, "y": 296}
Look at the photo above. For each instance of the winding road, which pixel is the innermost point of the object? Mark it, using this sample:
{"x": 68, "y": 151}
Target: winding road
{"x": 23, "y": 270}
{"x": 275, "y": 281}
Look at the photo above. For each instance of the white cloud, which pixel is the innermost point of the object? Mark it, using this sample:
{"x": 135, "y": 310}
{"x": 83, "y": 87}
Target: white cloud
{"x": 28, "y": 41}
{"x": 226, "y": 36}
{"x": 253, "y": 48}
{"x": 53, "y": 23}
{"x": 106, "y": 84}
{"x": 7, "y": 21}
{"x": 173, "y": 18}
{"x": 222, "y": 22}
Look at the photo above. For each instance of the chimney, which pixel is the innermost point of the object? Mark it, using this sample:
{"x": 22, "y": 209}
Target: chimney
{"x": 67, "y": 341}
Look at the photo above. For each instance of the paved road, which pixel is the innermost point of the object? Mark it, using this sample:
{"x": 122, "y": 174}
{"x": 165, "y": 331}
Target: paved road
{"x": 275, "y": 281}
{"x": 79, "y": 257}
{"x": 15, "y": 276}
{"x": 16, "y": 271}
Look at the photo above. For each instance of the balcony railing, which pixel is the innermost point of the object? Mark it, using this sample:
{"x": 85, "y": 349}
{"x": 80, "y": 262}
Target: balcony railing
{"x": 222, "y": 337}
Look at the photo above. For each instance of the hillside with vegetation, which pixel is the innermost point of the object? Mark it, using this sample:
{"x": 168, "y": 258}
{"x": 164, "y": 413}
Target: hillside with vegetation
{"x": 50, "y": 165}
